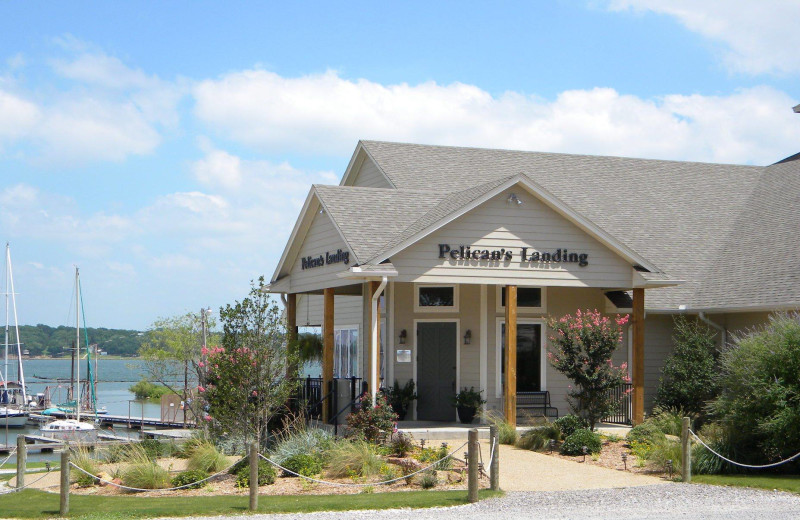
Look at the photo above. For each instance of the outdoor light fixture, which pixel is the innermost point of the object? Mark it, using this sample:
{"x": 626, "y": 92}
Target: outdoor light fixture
{"x": 513, "y": 199}
{"x": 468, "y": 337}
{"x": 552, "y": 445}
{"x": 625, "y": 460}
{"x": 403, "y": 336}
{"x": 669, "y": 468}
{"x": 585, "y": 450}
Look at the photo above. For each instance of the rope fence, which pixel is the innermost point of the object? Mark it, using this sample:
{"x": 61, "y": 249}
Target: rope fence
{"x": 10, "y": 454}
{"x": 740, "y": 464}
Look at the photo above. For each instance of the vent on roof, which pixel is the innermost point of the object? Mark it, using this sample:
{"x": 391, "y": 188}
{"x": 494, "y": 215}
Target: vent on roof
{"x": 641, "y": 269}
{"x": 620, "y": 299}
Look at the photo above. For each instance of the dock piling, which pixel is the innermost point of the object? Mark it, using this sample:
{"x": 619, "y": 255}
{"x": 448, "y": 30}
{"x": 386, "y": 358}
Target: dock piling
{"x": 64, "y": 503}
{"x": 22, "y": 460}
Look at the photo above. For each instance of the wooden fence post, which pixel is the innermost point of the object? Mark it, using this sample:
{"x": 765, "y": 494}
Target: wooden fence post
{"x": 686, "y": 452}
{"x": 494, "y": 453}
{"x": 472, "y": 466}
{"x": 253, "y": 476}
{"x": 22, "y": 460}
{"x": 64, "y": 504}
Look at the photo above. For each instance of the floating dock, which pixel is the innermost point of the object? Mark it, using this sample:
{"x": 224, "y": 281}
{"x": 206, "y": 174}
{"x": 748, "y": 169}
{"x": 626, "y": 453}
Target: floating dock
{"x": 130, "y": 421}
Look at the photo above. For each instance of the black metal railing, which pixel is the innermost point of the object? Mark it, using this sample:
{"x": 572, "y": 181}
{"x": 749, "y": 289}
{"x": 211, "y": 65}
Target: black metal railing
{"x": 623, "y": 409}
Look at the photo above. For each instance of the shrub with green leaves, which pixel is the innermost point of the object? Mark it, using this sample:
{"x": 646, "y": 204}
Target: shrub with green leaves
{"x": 573, "y": 445}
{"x": 348, "y": 458}
{"x": 206, "y": 457}
{"x": 689, "y": 377}
{"x": 266, "y": 474}
{"x": 429, "y": 480}
{"x": 306, "y": 465}
{"x": 144, "y": 389}
{"x": 569, "y": 423}
{"x": 539, "y": 437}
{"x": 372, "y": 423}
{"x": 647, "y": 432}
{"x": 153, "y": 447}
{"x": 191, "y": 478}
{"x": 703, "y": 461}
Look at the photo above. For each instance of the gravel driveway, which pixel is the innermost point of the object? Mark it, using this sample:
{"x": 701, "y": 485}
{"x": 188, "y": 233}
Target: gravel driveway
{"x": 684, "y": 501}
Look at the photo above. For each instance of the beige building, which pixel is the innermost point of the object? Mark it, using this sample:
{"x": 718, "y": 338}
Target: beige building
{"x": 439, "y": 239}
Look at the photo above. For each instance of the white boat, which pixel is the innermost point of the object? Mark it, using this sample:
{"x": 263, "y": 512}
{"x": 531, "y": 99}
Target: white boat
{"x": 71, "y": 430}
{"x": 12, "y": 417}
{"x": 13, "y": 394}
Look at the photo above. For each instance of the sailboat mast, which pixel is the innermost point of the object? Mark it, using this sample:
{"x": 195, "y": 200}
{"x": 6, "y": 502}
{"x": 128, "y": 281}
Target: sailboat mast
{"x": 5, "y": 358}
{"x": 20, "y": 373}
{"x": 78, "y": 337}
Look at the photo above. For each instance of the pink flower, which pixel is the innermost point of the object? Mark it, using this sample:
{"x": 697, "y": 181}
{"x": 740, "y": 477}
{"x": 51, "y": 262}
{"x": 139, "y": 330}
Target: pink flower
{"x": 204, "y": 350}
{"x": 200, "y": 388}
{"x": 255, "y": 394}
{"x": 201, "y": 364}
{"x": 207, "y": 417}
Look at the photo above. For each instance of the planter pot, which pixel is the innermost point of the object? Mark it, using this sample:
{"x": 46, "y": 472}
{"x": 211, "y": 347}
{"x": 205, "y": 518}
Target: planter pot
{"x": 401, "y": 412}
{"x": 466, "y": 414}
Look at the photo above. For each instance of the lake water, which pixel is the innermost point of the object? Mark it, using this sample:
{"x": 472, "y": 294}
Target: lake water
{"x": 114, "y": 377}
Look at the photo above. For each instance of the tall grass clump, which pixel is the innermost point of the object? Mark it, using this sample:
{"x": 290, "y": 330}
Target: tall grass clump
{"x": 81, "y": 457}
{"x": 353, "y": 458}
{"x": 311, "y": 441}
{"x": 206, "y": 457}
{"x": 669, "y": 420}
{"x": 506, "y": 431}
{"x": 143, "y": 473}
{"x": 538, "y": 438}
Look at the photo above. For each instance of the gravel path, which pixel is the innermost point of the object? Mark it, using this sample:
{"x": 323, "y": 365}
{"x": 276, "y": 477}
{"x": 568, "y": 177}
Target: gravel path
{"x": 684, "y": 501}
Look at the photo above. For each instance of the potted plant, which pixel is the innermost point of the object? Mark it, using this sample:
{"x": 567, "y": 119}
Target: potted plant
{"x": 401, "y": 398}
{"x": 468, "y": 403}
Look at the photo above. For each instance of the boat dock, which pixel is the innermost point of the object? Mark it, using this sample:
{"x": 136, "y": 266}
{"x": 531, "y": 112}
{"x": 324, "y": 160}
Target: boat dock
{"x": 130, "y": 421}
{"x": 47, "y": 445}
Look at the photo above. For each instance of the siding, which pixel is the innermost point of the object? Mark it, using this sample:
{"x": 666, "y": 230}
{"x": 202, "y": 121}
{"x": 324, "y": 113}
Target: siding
{"x": 497, "y": 224}
{"x": 322, "y": 237}
{"x": 346, "y": 310}
{"x": 369, "y": 176}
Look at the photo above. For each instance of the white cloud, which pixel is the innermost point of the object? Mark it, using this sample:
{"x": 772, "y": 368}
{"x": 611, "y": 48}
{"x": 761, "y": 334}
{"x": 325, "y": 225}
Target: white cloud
{"x": 759, "y": 36}
{"x": 17, "y": 116}
{"x": 326, "y": 113}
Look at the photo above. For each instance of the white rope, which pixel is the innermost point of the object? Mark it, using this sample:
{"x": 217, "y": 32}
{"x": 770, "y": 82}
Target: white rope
{"x": 12, "y": 452}
{"x": 726, "y": 459}
{"x": 14, "y": 490}
{"x": 357, "y": 484}
{"x": 157, "y": 489}
{"x": 491, "y": 453}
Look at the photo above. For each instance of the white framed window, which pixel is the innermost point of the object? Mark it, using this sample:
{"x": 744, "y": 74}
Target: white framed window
{"x": 435, "y": 298}
{"x": 531, "y": 355}
{"x": 345, "y": 351}
{"x": 529, "y": 299}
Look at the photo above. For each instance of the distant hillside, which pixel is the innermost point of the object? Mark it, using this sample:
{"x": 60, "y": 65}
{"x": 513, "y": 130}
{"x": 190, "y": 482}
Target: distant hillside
{"x": 42, "y": 340}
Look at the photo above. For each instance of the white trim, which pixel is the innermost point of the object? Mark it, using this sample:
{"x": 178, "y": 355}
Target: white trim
{"x": 550, "y": 200}
{"x": 484, "y": 343}
{"x": 498, "y": 351}
{"x": 499, "y": 307}
{"x": 389, "y": 347}
{"x": 420, "y": 309}
{"x": 414, "y": 354}
{"x": 725, "y": 310}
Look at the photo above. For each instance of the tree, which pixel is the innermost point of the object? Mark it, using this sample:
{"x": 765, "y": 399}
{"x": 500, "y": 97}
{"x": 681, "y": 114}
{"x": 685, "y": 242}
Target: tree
{"x": 688, "y": 380}
{"x": 759, "y": 403}
{"x": 246, "y": 377}
{"x": 581, "y": 349}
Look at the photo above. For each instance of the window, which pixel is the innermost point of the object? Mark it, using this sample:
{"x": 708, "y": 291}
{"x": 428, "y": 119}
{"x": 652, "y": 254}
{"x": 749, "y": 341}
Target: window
{"x": 531, "y": 358}
{"x": 345, "y": 351}
{"x": 435, "y": 298}
{"x": 529, "y": 299}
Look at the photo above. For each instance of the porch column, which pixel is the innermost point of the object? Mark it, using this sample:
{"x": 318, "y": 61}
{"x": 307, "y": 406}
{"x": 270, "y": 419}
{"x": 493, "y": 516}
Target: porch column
{"x": 327, "y": 349}
{"x": 637, "y": 369}
{"x": 511, "y": 355}
{"x": 373, "y": 287}
{"x": 291, "y": 328}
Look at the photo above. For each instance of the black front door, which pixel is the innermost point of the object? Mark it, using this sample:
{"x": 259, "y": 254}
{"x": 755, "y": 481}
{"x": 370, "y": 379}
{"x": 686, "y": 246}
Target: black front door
{"x": 436, "y": 371}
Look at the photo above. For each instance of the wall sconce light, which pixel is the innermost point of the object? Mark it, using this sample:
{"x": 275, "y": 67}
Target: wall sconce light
{"x": 513, "y": 199}
{"x": 468, "y": 337}
{"x": 403, "y": 336}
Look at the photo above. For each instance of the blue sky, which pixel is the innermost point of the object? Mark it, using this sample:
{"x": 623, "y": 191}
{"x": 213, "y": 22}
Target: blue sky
{"x": 165, "y": 148}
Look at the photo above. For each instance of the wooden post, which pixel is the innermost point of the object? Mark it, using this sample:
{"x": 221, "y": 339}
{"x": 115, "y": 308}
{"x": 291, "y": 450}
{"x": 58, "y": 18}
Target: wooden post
{"x": 638, "y": 356}
{"x": 494, "y": 453}
{"x": 253, "y": 476}
{"x": 511, "y": 355}
{"x": 373, "y": 287}
{"x": 22, "y": 460}
{"x": 472, "y": 466}
{"x": 291, "y": 328}
{"x": 327, "y": 351}
{"x": 686, "y": 452}
{"x": 64, "y": 503}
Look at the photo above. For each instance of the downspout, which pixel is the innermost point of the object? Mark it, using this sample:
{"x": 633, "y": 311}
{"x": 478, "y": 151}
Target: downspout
{"x": 373, "y": 359}
{"x": 720, "y": 328}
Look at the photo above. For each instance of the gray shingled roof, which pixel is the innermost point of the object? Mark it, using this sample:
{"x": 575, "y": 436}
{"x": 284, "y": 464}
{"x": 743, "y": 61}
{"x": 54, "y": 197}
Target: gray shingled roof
{"x": 728, "y": 230}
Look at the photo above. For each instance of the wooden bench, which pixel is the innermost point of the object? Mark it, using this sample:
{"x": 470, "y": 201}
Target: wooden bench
{"x": 537, "y": 402}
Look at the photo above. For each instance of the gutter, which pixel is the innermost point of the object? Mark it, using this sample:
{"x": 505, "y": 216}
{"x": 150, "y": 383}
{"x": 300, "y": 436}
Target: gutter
{"x": 723, "y": 334}
{"x": 373, "y": 360}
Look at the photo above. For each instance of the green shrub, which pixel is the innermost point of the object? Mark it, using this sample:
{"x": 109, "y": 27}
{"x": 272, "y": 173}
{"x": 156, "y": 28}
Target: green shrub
{"x": 402, "y": 444}
{"x": 388, "y": 472}
{"x": 372, "y": 423}
{"x": 569, "y": 423}
{"x": 311, "y": 441}
{"x": 306, "y": 465}
{"x": 428, "y": 480}
{"x": 538, "y": 438}
{"x": 573, "y": 445}
{"x": 81, "y": 457}
{"x": 144, "y": 389}
{"x": 669, "y": 420}
{"x": 145, "y": 474}
{"x": 642, "y": 451}
{"x": 646, "y": 432}
{"x": 152, "y": 447}
{"x": 349, "y": 458}
{"x": 206, "y": 457}
{"x": 266, "y": 474}
{"x": 114, "y": 453}
{"x": 429, "y": 455}
{"x": 689, "y": 376}
{"x": 703, "y": 461}
{"x": 665, "y": 450}
{"x": 193, "y": 477}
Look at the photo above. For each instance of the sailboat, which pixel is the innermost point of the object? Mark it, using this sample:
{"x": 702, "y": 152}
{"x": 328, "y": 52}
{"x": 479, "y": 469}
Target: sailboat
{"x": 13, "y": 394}
{"x": 74, "y": 430}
